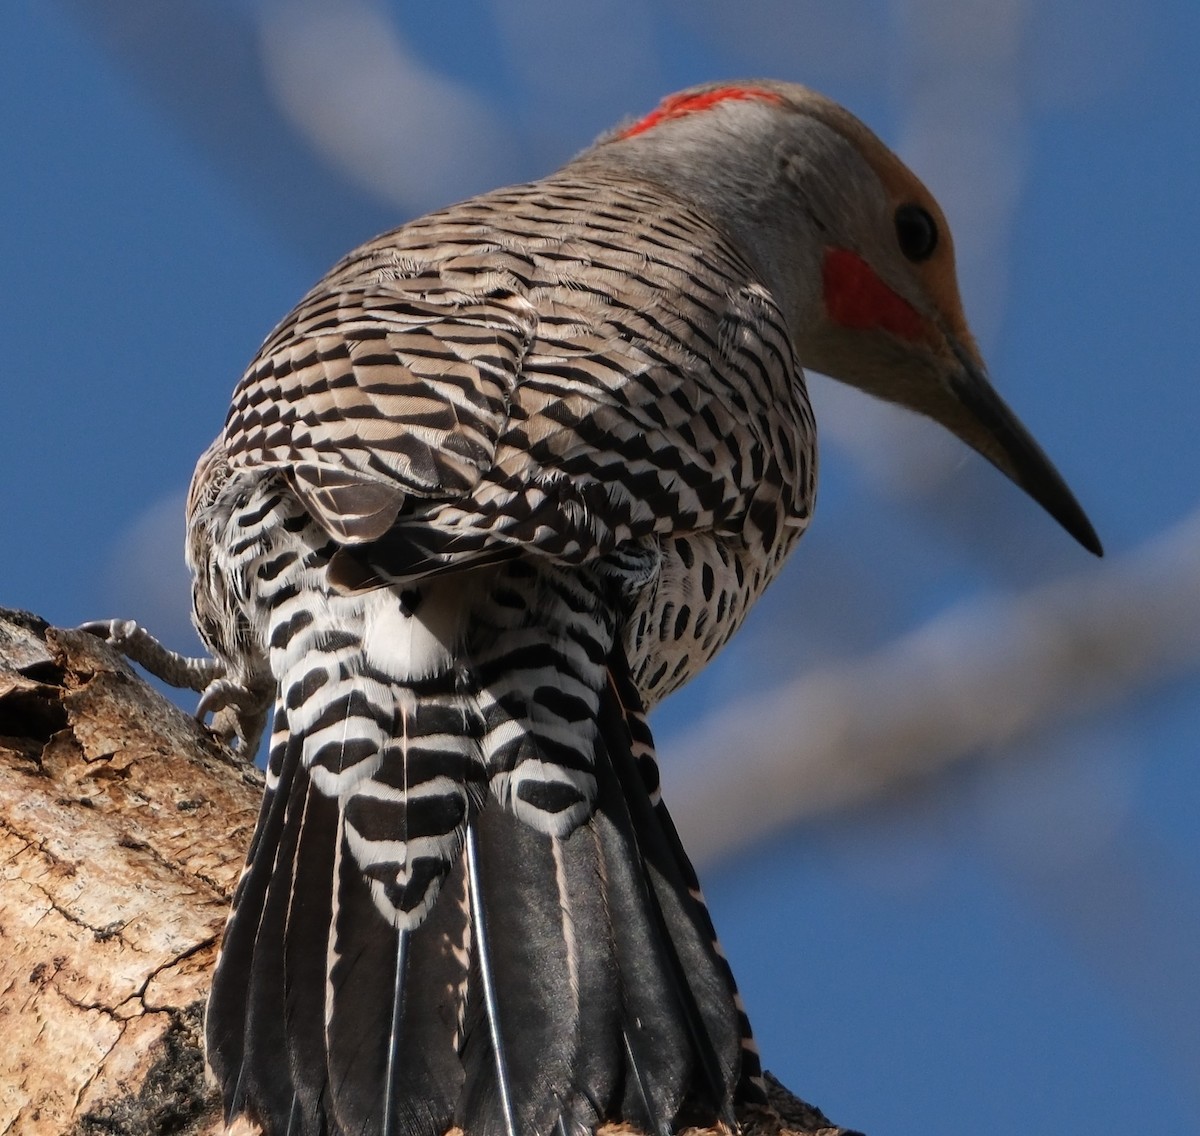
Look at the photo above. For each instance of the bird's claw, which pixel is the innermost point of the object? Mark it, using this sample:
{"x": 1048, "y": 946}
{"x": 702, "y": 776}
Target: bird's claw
{"x": 223, "y": 692}
{"x": 239, "y": 712}
{"x": 114, "y": 632}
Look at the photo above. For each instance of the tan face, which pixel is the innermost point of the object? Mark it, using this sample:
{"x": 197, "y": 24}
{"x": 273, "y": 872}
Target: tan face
{"x": 898, "y": 328}
{"x": 916, "y": 214}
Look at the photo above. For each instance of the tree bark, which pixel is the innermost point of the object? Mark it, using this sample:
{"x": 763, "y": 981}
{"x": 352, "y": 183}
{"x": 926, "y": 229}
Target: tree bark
{"x": 123, "y": 825}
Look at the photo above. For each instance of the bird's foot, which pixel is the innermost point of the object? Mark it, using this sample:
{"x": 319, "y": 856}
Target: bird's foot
{"x": 239, "y": 712}
{"x": 139, "y": 646}
{"x": 223, "y": 693}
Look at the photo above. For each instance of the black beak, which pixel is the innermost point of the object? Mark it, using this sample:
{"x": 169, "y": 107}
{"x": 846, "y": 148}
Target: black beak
{"x": 990, "y": 427}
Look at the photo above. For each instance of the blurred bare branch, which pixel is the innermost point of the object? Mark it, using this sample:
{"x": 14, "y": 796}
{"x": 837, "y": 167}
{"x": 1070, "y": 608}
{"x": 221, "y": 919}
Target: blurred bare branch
{"x": 976, "y": 678}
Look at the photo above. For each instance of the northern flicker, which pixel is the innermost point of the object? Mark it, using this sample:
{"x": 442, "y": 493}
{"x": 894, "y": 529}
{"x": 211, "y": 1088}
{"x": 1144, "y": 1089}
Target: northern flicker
{"x": 502, "y": 480}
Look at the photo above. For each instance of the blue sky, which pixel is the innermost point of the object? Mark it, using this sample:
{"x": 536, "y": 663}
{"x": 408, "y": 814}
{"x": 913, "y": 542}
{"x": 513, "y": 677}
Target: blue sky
{"x": 1016, "y": 937}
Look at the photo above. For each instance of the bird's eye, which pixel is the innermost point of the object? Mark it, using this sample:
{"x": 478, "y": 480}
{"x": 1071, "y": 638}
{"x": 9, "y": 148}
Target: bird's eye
{"x": 916, "y": 231}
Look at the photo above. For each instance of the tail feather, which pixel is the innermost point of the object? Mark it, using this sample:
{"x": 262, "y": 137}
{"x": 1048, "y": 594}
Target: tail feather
{"x": 333, "y": 1015}
{"x": 485, "y": 1057}
{"x": 246, "y": 1023}
{"x": 689, "y": 969}
{"x": 547, "y": 993}
{"x": 655, "y": 1041}
{"x": 294, "y": 926}
{"x": 751, "y": 1087}
{"x": 392, "y": 1024}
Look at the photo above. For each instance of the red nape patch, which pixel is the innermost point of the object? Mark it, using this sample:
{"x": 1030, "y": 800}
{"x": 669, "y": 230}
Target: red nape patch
{"x": 856, "y": 298}
{"x": 677, "y": 106}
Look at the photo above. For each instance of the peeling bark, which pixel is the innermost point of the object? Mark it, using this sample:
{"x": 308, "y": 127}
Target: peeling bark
{"x": 123, "y": 824}
{"x": 122, "y": 831}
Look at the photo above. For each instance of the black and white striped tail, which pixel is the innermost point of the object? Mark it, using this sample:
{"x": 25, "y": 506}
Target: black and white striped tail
{"x": 555, "y": 982}
{"x": 751, "y": 1088}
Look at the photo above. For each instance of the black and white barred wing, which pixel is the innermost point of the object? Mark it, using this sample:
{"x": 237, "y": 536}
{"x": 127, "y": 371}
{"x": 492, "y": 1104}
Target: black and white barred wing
{"x": 366, "y": 396}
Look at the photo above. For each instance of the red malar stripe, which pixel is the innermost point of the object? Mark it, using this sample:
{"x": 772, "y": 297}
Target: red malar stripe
{"x": 856, "y": 298}
{"x": 677, "y": 106}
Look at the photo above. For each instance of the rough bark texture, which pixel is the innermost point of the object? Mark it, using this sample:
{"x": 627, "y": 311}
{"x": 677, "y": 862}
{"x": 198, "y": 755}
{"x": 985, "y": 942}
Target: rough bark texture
{"x": 123, "y": 824}
{"x": 122, "y": 830}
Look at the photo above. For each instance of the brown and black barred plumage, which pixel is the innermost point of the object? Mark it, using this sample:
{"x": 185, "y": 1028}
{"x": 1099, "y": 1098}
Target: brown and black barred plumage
{"x": 503, "y": 479}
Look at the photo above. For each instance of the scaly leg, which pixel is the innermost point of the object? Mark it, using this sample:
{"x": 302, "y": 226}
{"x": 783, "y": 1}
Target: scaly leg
{"x": 239, "y": 711}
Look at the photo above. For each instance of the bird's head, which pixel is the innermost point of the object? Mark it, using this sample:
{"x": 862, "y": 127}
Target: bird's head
{"x": 856, "y": 250}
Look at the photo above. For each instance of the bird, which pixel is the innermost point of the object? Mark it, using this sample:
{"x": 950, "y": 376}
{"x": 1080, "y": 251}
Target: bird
{"x": 502, "y": 480}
